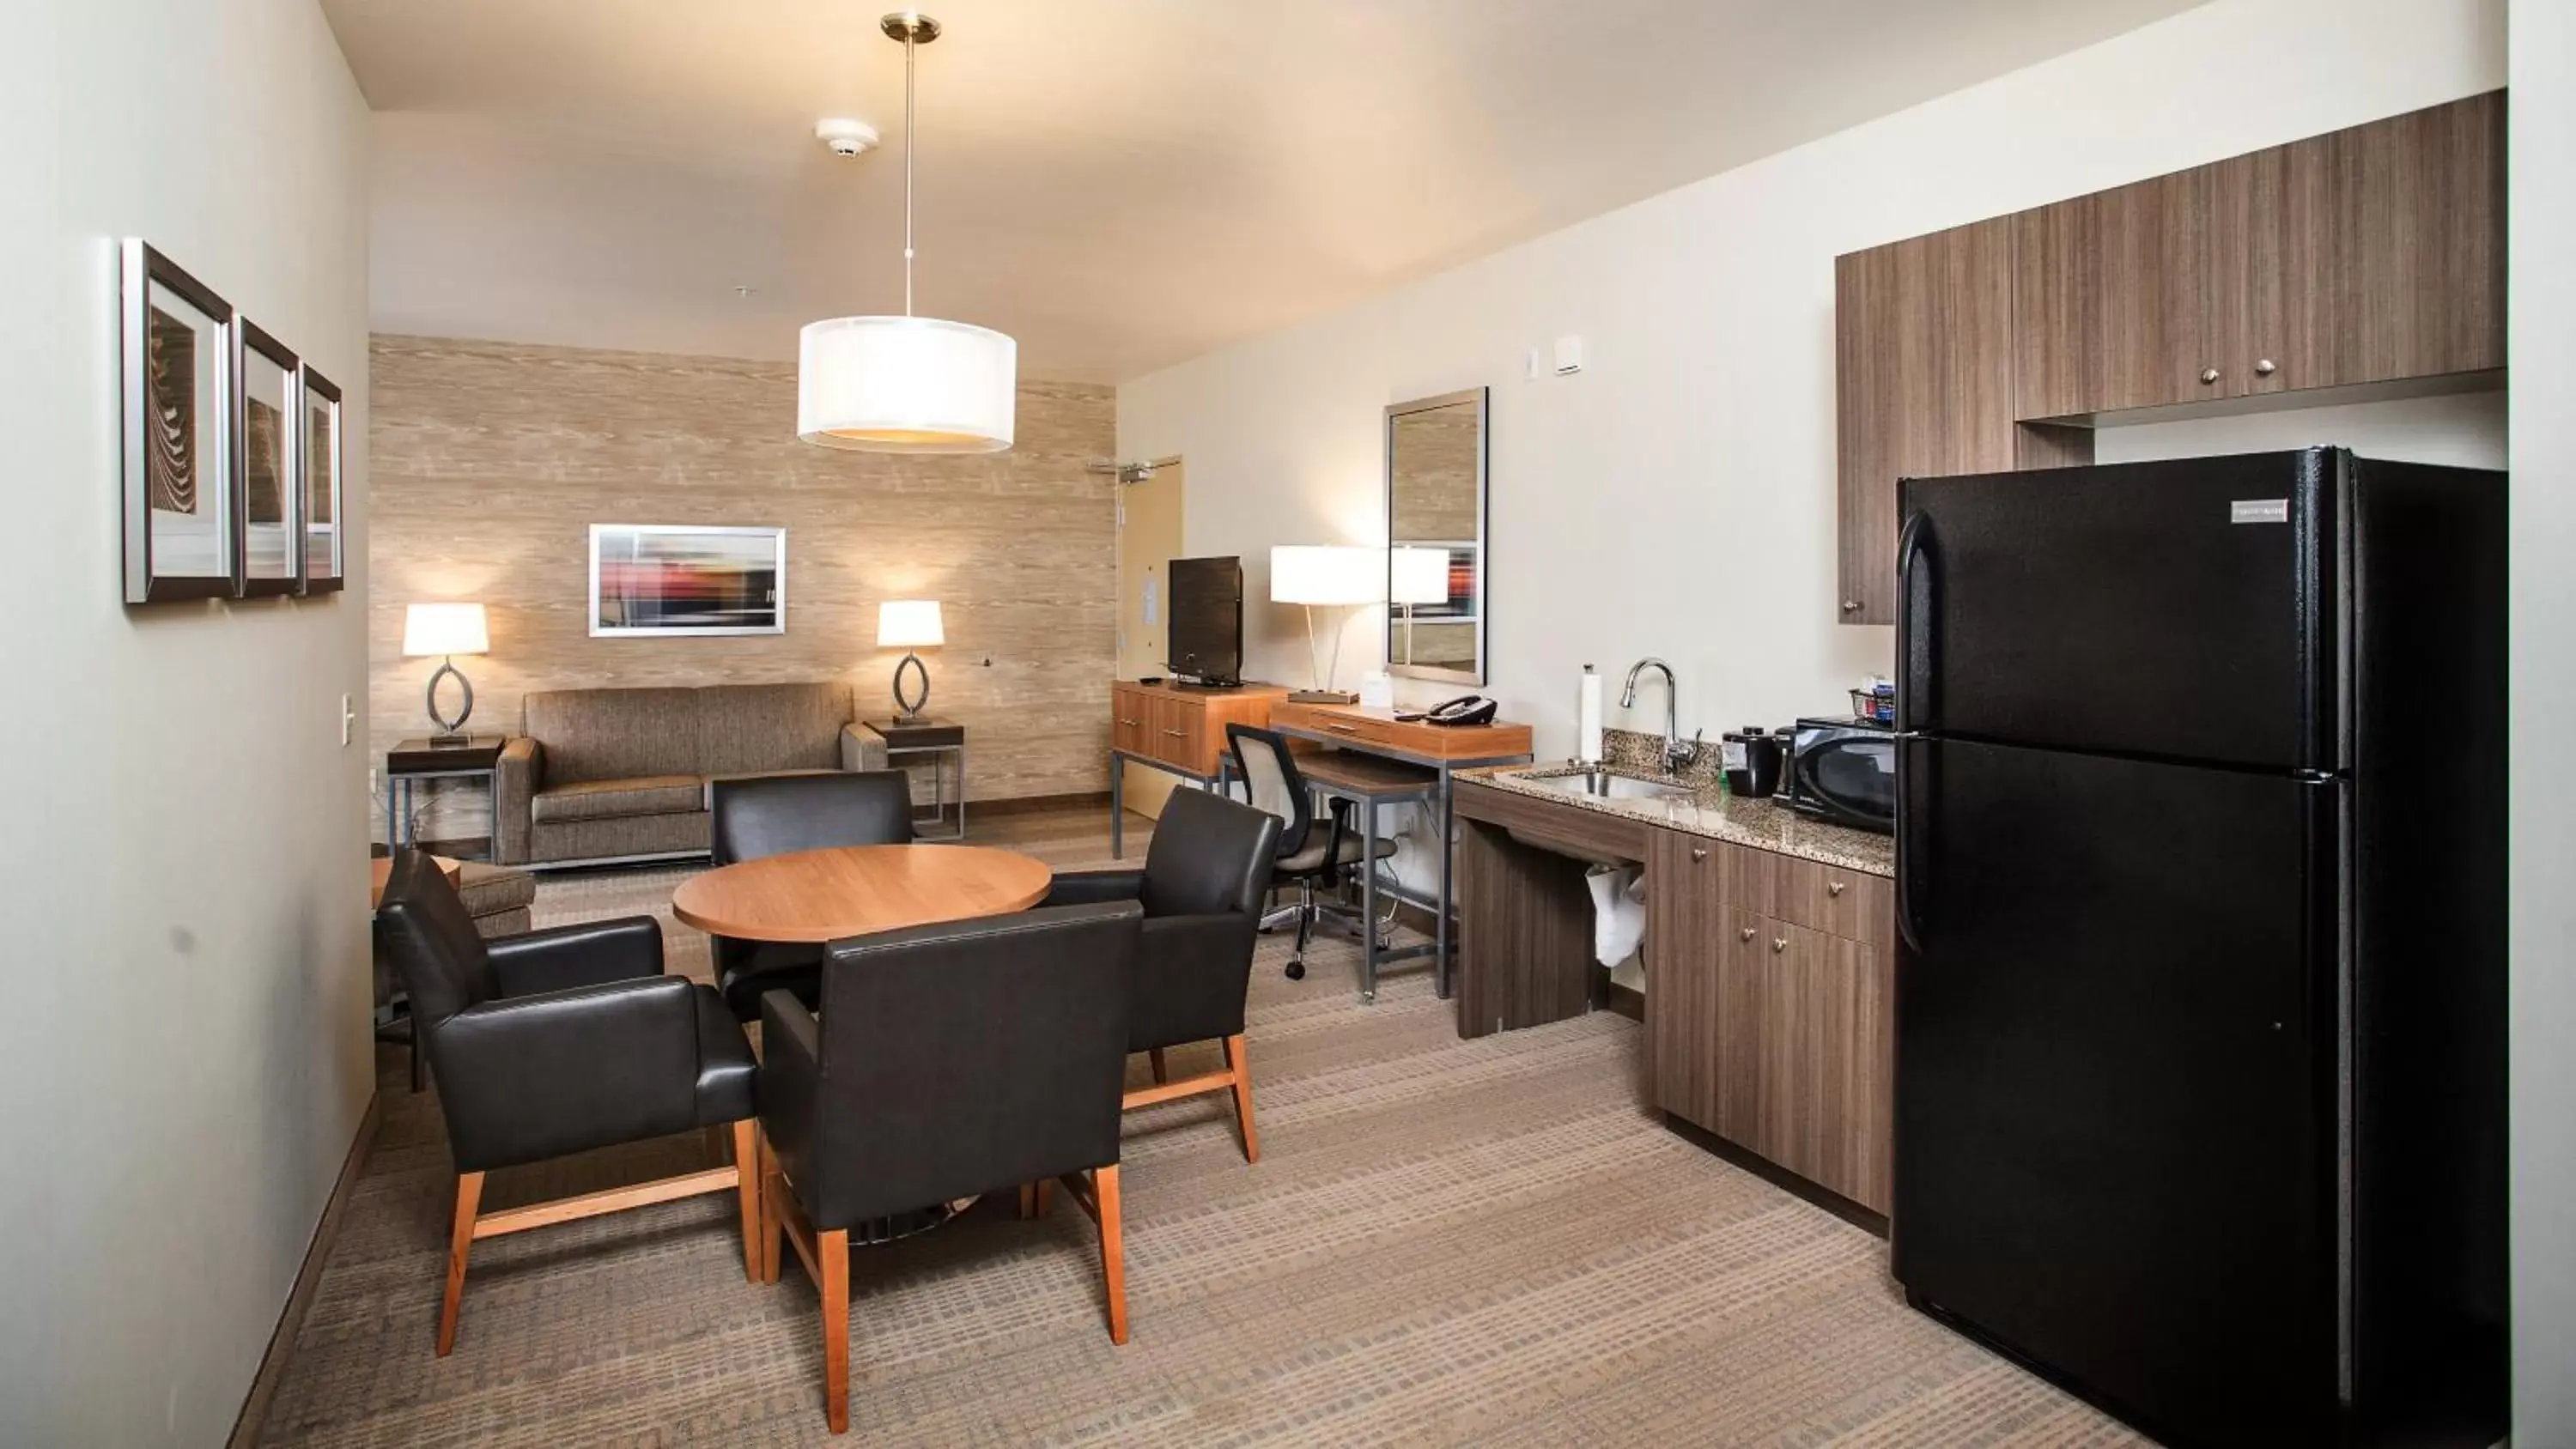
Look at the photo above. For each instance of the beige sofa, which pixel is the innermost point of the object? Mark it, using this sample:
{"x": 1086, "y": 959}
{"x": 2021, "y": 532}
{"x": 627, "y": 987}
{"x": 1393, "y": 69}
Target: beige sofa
{"x": 613, "y": 774}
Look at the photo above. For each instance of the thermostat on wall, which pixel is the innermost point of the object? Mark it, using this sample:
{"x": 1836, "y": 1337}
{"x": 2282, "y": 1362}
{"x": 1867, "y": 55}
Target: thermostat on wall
{"x": 1569, "y": 355}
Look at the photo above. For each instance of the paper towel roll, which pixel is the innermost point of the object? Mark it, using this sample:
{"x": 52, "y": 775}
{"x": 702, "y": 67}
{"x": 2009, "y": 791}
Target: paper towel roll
{"x": 1587, "y": 718}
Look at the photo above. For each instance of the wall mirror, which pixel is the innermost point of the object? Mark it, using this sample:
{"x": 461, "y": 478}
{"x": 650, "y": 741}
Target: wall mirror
{"x": 1435, "y": 528}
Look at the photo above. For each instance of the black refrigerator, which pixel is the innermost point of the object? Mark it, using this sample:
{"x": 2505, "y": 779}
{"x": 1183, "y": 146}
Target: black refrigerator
{"x": 2200, "y": 1002}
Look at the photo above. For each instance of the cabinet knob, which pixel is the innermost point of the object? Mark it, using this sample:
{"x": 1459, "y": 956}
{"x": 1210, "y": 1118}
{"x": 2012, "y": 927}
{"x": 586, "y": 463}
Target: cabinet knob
{"x": 1834, "y": 887}
{"x": 1699, "y": 852}
{"x": 1745, "y": 934}
{"x": 1851, "y": 606}
{"x": 1779, "y": 944}
{"x": 2209, "y": 374}
{"x": 2264, "y": 368}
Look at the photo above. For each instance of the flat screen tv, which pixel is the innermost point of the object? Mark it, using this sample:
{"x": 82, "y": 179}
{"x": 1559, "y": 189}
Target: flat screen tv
{"x": 1207, "y": 619}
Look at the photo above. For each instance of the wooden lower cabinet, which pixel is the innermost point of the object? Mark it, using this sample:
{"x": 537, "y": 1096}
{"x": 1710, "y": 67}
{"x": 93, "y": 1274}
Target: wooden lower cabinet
{"x": 1774, "y": 1035}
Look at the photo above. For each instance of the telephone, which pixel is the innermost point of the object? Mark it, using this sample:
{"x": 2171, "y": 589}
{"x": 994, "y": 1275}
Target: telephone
{"x": 1466, "y": 709}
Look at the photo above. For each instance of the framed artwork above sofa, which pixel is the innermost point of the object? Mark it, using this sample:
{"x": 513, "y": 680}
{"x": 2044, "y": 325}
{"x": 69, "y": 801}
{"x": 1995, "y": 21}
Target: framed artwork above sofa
{"x": 657, "y": 580}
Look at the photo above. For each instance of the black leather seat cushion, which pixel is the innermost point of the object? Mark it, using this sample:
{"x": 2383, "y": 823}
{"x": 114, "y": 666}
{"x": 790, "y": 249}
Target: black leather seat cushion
{"x": 745, "y": 970}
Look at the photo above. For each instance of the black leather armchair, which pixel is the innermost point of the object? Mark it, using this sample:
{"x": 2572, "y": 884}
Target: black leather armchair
{"x": 556, "y": 1042}
{"x": 949, "y": 1060}
{"x": 776, "y": 815}
{"x": 1205, "y": 878}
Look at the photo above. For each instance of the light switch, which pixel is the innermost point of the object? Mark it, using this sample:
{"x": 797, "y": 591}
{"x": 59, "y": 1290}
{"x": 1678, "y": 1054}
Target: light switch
{"x": 1531, "y": 367}
{"x": 1569, "y": 355}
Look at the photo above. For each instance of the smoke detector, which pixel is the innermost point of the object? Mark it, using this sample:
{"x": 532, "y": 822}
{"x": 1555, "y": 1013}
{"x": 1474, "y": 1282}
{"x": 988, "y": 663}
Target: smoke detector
{"x": 846, "y": 138}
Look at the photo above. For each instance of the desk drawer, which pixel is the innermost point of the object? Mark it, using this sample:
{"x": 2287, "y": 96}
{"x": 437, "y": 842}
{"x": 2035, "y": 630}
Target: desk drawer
{"x": 1358, "y": 730}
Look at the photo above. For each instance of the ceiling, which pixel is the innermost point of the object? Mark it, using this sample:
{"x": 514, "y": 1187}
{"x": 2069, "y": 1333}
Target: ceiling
{"x": 1120, "y": 184}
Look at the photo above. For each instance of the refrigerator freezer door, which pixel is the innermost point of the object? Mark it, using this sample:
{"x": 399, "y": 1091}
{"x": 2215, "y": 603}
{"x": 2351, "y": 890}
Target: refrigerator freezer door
{"x": 2115, "y": 1011}
{"x": 2174, "y": 610}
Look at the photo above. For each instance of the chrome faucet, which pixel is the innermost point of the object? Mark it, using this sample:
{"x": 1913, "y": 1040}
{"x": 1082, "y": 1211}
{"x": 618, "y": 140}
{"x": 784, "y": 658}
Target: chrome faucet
{"x": 1678, "y": 752}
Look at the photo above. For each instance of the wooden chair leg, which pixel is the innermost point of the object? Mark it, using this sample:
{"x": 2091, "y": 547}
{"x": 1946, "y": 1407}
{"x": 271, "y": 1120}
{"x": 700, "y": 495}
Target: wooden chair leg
{"x": 1028, "y": 1201}
{"x": 1238, "y": 1061}
{"x": 460, "y": 1241}
{"x": 773, "y": 1197}
{"x": 834, "y": 1249}
{"x": 1045, "y": 1196}
{"x": 1113, "y": 1250}
{"x": 747, "y": 1169}
{"x": 1162, "y": 1073}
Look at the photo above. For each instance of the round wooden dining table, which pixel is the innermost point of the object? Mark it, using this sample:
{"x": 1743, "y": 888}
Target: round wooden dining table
{"x": 857, "y": 890}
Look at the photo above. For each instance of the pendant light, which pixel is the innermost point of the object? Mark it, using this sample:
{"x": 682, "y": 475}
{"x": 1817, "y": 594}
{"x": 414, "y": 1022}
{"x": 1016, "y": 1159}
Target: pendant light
{"x": 906, "y": 384}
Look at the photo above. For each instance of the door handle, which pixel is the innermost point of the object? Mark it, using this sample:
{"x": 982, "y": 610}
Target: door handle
{"x": 1914, "y": 691}
{"x": 1908, "y": 860}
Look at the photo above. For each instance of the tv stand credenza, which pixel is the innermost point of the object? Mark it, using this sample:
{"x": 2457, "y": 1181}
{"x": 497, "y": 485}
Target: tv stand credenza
{"x": 1175, "y": 727}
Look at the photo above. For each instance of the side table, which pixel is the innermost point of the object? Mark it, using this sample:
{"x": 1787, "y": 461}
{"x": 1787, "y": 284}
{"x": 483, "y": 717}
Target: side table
{"x": 933, "y": 738}
{"x": 412, "y": 761}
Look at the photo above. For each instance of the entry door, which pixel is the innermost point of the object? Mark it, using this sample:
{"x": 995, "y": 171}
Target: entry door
{"x": 1149, "y": 538}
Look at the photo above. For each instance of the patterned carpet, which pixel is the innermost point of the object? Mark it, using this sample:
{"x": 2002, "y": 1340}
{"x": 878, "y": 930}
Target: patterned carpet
{"x": 1446, "y": 1242}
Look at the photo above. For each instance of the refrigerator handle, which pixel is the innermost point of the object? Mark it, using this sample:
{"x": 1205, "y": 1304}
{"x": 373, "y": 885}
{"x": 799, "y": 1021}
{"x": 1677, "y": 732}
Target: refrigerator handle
{"x": 1914, "y": 670}
{"x": 1907, "y": 859}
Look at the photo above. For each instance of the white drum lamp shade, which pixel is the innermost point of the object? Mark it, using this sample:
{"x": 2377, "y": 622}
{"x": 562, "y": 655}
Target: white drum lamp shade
{"x": 906, "y": 385}
{"x": 909, "y": 624}
{"x": 1418, "y": 576}
{"x": 1306, "y": 573}
{"x": 444, "y": 629}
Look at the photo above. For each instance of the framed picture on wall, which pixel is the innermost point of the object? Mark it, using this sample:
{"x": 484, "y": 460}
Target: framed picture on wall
{"x": 659, "y": 580}
{"x": 175, "y": 361}
{"x": 319, "y": 449}
{"x": 268, "y": 495}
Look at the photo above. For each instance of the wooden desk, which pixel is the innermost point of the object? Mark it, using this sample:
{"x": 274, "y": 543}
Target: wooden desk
{"x": 1175, "y": 728}
{"x": 1389, "y": 745}
{"x": 827, "y": 895}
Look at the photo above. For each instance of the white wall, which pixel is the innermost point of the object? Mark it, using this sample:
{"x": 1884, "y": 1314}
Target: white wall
{"x": 2542, "y": 319}
{"x": 184, "y": 1051}
{"x": 1677, "y": 497}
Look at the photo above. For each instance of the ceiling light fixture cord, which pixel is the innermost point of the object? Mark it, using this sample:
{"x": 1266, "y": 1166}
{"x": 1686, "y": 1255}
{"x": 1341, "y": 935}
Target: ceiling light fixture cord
{"x": 909, "y": 45}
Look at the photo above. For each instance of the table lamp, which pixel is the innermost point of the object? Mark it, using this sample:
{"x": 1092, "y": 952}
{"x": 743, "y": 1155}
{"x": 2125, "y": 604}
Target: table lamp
{"x": 1327, "y": 576}
{"x": 446, "y": 630}
{"x": 909, "y": 624}
{"x": 1416, "y": 576}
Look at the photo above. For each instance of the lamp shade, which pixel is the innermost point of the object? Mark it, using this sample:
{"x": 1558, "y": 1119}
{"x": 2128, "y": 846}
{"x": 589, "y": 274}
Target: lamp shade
{"x": 445, "y": 629}
{"x": 909, "y": 624}
{"x": 1304, "y": 573}
{"x": 1418, "y": 575}
{"x": 906, "y": 385}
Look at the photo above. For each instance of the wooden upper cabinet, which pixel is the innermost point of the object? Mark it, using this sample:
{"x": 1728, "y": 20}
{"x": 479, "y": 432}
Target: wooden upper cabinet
{"x": 2368, "y": 255}
{"x": 2112, "y": 302}
{"x": 1924, "y": 386}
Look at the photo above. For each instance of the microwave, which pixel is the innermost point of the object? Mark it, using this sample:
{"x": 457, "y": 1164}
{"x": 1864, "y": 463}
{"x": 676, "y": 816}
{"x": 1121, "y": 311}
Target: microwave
{"x": 1844, "y": 771}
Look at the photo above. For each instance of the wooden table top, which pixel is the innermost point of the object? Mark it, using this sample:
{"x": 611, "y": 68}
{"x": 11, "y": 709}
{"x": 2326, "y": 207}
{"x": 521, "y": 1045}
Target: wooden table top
{"x": 381, "y": 868}
{"x": 825, "y": 895}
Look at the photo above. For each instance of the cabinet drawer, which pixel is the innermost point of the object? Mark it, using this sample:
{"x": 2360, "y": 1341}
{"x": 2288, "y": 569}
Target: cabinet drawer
{"x": 1179, "y": 728}
{"x": 1367, "y": 731}
{"x": 1129, "y": 710}
{"x": 1854, "y": 905}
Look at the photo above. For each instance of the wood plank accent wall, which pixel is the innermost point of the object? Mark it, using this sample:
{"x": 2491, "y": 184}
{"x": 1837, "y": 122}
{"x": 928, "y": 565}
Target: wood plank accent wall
{"x": 491, "y": 461}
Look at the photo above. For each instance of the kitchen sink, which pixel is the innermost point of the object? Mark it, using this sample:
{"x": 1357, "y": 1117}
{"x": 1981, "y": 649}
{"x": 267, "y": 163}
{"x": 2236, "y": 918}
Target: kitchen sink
{"x": 1602, "y": 785}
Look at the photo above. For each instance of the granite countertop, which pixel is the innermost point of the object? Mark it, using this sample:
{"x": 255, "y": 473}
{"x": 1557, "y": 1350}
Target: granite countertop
{"x": 1711, "y": 812}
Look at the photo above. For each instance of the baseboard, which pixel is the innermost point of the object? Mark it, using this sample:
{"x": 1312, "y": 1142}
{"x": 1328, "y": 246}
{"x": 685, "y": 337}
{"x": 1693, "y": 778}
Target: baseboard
{"x": 1030, "y": 804}
{"x": 281, "y": 1344}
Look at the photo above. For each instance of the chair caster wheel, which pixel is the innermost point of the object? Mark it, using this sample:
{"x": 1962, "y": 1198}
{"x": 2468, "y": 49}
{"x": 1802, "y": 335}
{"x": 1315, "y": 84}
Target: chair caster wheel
{"x": 1368, "y": 998}
{"x": 1296, "y": 970}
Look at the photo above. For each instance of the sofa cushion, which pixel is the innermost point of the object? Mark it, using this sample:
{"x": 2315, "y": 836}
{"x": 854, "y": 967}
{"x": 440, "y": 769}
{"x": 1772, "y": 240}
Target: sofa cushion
{"x": 491, "y": 889}
{"x": 613, "y": 734}
{"x": 618, "y": 799}
{"x": 751, "y": 729}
